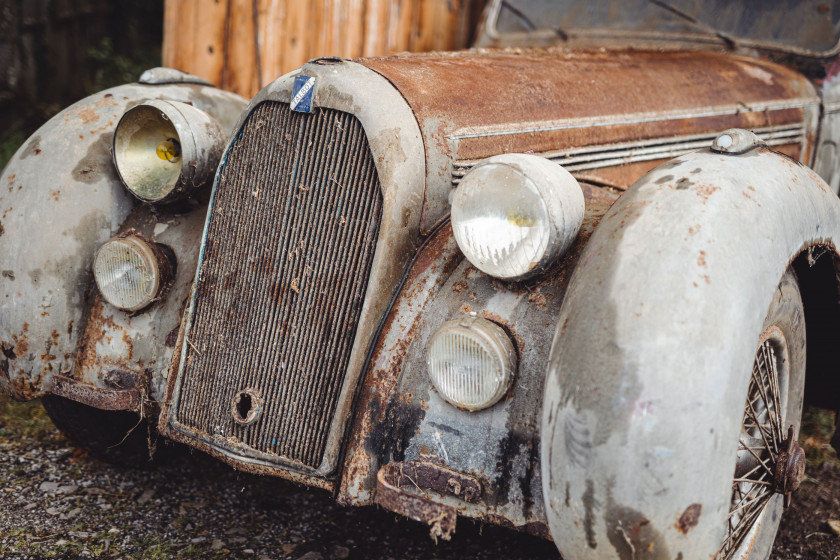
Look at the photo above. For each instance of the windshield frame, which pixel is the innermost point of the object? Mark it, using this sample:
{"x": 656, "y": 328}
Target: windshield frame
{"x": 589, "y": 38}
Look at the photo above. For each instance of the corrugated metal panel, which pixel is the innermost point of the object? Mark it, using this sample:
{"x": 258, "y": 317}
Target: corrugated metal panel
{"x": 287, "y": 258}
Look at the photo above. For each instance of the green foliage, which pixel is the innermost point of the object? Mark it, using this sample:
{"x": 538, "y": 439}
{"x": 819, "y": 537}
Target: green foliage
{"x": 115, "y": 68}
{"x": 815, "y": 433}
{"x": 10, "y": 141}
{"x": 24, "y": 420}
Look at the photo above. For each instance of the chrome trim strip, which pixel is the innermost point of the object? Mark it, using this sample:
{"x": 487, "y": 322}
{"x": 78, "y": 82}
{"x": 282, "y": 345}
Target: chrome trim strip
{"x": 609, "y": 155}
{"x": 633, "y": 118}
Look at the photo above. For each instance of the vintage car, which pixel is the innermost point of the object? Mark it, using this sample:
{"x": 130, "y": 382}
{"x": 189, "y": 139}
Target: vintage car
{"x": 562, "y": 282}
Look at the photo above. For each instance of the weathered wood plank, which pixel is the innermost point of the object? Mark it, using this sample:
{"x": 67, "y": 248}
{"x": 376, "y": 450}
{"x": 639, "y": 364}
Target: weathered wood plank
{"x": 242, "y": 45}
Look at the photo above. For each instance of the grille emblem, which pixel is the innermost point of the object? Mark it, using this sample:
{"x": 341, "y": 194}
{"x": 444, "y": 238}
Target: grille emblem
{"x": 302, "y": 93}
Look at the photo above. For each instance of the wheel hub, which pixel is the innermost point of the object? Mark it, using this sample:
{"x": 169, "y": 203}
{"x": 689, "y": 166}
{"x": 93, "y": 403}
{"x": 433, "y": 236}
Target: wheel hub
{"x": 790, "y": 467}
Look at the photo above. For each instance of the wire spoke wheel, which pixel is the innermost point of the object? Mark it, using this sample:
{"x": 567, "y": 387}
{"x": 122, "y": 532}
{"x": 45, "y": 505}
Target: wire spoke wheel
{"x": 768, "y": 462}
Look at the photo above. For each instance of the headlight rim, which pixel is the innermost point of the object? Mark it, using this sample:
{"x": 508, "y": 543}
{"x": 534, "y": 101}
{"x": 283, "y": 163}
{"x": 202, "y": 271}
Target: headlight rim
{"x": 160, "y": 260}
{"x": 199, "y": 158}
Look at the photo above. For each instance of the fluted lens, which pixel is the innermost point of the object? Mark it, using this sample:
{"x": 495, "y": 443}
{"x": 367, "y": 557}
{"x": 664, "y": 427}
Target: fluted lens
{"x": 126, "y": 273}
{"x": 471, "y": 362}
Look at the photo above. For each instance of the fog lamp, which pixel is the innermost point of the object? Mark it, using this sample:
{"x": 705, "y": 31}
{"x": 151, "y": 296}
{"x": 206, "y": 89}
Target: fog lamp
{"x": 165, "y": 149}
{"x": 128, "y": 272}
{"x": 471, "y": 362}
{"x": 513, "y": 215}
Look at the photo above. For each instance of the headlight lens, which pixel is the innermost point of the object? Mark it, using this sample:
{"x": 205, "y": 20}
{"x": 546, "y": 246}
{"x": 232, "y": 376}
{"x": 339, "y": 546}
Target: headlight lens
{"x": 164, "y": 149}
{"x": 127, "y": 273}
{"x": 471, "y": 362}
{"x": 515, "y": 214}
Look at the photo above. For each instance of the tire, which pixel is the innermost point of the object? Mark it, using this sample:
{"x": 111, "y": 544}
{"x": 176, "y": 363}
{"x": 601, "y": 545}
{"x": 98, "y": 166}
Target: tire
{"x": 755, "y": 510}
{"x": 118, "y": 437}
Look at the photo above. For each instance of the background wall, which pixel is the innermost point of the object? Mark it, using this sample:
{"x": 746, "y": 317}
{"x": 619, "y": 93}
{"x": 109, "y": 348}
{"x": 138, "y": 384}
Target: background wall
{"x": 243, "y": 45}
{"x": 55, "y": 52}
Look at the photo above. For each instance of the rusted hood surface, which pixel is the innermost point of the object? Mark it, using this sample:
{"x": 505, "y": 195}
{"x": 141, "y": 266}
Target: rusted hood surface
{"x": 480, "y": 103}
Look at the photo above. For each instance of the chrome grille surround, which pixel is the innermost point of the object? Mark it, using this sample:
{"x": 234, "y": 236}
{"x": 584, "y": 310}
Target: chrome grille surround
{"x": 288, "y": 252}
{"x": 396, "y": 146}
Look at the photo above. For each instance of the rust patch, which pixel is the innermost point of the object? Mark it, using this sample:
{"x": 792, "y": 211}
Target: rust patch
{"x": 459, "y": 286}
{"x": 537, "y": 529}
{"x": 172, "y": 337}
{"x": 96, "y": 330}
{"x": 33, "y": 148}
{"x": 379, "y": 381}
{"x": 538, "y": 299}
{"x": 21, "y": 341}
{"x": 705, "y": 191}
{"x": 440, "y": 518}
{"x": 689, "y": 518}
{"x": 129, "y": 344}
{"x": 701, "y": 260}
{"x": 88, "y": 115}
{"x": 465, "y": 308}
{"x": 105, "y": 399}
{"x": 508, "y": 326}
{"x": 97, "y": 161}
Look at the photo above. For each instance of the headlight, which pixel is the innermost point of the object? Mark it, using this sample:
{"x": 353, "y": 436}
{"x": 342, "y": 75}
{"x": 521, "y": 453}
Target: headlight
{"x": 471, "y": 362}
{"x": 164, "y": 149}
{"x": 515, "y": 214}
{"x": 130, "y": 272}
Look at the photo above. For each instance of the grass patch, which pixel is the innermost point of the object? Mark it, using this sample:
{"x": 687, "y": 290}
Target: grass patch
{"x": 24, "y": 420}
{"x": 815, "y": 434}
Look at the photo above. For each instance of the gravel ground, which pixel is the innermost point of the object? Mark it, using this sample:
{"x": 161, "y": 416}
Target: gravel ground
{"x": 58, "y": 502}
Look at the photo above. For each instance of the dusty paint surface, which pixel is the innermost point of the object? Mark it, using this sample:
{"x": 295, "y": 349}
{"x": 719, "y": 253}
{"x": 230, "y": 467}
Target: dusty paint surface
{"x": 475, "y": 104}
{"x": 401, "y": 418}
{"x": 60, "y": 198}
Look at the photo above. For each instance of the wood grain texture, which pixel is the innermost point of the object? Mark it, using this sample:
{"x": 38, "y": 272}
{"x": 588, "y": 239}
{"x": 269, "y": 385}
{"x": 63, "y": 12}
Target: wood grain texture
{"x": 243, "y": 45}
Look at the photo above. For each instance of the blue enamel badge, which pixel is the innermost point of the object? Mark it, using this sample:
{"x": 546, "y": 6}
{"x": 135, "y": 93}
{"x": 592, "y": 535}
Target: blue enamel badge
{"x": 302, "y": 93}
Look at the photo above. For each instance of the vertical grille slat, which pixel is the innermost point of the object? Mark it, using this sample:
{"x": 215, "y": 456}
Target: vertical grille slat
{"x": 288, "y": 253}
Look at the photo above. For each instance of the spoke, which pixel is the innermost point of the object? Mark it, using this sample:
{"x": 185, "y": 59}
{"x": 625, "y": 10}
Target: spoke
{"x": 750, "y": 481}
{"x": 755, "y": 469}
{"x": 748, "y": 499}
{"x": 777, "y": 396}
{"x": 745, "y": 524}
{"x": 763, "y": 435}
{"x": 767, "y": 403}
{"x": 760, "y": 387}
{"x": 773, "y": 374}
{"x": 766, "y": 468}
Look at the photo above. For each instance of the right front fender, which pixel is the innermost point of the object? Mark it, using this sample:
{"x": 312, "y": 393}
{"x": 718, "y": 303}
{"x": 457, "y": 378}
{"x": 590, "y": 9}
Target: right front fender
{"x": 656, "y": 338}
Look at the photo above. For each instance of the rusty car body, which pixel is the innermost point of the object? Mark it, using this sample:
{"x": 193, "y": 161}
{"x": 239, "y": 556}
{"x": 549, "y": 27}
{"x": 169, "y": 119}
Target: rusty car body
{"x": 293, "y": 333}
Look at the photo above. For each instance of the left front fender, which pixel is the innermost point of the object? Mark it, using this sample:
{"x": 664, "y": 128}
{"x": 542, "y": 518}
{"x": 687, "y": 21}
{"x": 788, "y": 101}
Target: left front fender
{"x": 650, "y": 364}
{"x": 60, "y": 199}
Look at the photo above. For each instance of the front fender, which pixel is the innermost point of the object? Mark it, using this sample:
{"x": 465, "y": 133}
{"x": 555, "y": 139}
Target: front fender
{"x": 656, "y": 337}
{"x": 60, "y": 199}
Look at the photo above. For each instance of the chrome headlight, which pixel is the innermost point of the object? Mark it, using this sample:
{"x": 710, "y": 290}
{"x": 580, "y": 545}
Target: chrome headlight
{"x": 515, "y": 214}
{"x": 165, "y": 149}
{"x": 471, "y": 362}
{"x": 130, "y": 272}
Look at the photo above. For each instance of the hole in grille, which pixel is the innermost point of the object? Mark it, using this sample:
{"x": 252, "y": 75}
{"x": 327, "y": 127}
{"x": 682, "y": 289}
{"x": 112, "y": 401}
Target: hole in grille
{"x": 287, "y": 257}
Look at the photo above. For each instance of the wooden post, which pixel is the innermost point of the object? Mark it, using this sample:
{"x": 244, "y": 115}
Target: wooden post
{"x": 243, "y": 45}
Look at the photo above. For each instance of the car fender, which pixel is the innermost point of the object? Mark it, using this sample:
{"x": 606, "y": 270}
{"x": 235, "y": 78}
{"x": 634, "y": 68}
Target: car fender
{"x": 60, "y": 199}
{"x": 651, "y": 359}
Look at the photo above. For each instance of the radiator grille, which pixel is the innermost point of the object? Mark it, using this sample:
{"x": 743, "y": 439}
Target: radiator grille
{"x": 287, "y": 257}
